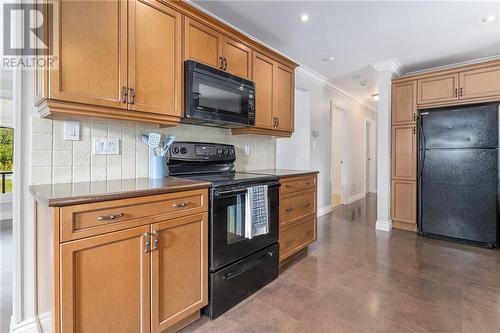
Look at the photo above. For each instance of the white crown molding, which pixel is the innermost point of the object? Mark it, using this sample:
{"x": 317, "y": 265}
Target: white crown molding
{"x": 456, "y": 64}
{"x": 309, "y": 74}
{"x": 392, "y": 65}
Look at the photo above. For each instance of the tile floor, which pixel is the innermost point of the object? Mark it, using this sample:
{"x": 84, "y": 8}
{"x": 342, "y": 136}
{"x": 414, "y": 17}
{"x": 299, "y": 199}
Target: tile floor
{"x": 356, "y": 279}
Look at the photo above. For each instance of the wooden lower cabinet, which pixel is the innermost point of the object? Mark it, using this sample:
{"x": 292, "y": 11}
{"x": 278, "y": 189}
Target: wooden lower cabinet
{"x": 404, "y": 204}
{"x": 298, "y": 210}
{"x": 179, "y": 270}
{"x": 147, "y": 278}
{"x": 105, "y": 283}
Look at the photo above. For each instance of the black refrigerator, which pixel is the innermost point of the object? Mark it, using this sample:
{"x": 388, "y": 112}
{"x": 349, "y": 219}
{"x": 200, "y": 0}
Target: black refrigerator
{"x": 458, "y": 173}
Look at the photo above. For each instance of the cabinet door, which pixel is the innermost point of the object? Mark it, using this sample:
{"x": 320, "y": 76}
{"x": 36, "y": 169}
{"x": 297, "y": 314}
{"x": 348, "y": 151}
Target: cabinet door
{"x": 179, "y": 269}
{"x": 263, "y": 76}
{"x": 105, "y": 283}
{"x": 90, "y": 41}
{"x": 201, "y": 43}
{"x": 404, "y": 152}
{"x": 480, "y": 83}
{"x": 438, "y": 89}
{"x": 284, "y": 93}
{"x": 404, "y": 201}
{"x": 404, "y": 103}
{"x": 237, "y": 58}
{"x": 155, "y": 64}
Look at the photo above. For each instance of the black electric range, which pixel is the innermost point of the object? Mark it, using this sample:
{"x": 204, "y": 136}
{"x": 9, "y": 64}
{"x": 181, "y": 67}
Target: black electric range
{"x": 238, "y": 265}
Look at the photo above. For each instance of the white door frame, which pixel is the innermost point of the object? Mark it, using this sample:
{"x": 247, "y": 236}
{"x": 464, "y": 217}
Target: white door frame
{"x": 369, "y": 123}
{"x": 344, "y": 175}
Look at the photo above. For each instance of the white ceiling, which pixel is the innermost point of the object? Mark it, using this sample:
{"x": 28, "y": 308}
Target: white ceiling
{"x": 421, "y": 34}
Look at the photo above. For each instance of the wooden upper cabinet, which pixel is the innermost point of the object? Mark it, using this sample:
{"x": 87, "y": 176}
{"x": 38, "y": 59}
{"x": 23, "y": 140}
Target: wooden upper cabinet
{"x": 179, "y": 269}
{"x": 105, "y": 285}
{"x": 202, "y": 43}
{"x": 438, "y": 89}
{"x": 237, "y": 58}
{"x": 155, "y": 62}
{"x": 404, "y": 103}
{"x": 263, "y": 76}
{"x": 404, "y": 152}
{"x": 284, "y": 89}
{"x": 90, "y": 42}
{"x": 404, "y": 201}
{"x": 480, "y": 83}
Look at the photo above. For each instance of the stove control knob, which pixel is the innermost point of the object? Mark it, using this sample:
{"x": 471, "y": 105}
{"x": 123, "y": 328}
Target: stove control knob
{"x": 226, "y": 151}
{"x": 231, "y": 151}
{"x": 175, "y": 150}
{"x": 219, "y": 151}
{"x": 184, "y": 150}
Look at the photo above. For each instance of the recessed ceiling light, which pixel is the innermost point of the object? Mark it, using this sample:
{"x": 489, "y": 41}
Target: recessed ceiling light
{"x": 304, "y": 18}
{"x": 491, "y": 18}
{"x": 375, "y": 97}
{"x": 328, "y": 59}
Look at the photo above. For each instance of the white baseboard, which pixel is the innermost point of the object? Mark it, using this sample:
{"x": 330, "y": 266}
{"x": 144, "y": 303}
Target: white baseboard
{"x": 324, "y": 210}
{"x": 26, "y": 326}
{"x": 384, "y": 225}
{"x": 356, "y": 197}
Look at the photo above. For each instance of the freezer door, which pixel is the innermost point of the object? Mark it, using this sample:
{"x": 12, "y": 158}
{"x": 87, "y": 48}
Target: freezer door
{"x": 465, "y": 127}
{"x": 459, "y": 194}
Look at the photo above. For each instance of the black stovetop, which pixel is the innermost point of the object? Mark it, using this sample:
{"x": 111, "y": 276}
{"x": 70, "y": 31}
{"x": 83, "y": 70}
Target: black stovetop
{"x": 230, "y": 178}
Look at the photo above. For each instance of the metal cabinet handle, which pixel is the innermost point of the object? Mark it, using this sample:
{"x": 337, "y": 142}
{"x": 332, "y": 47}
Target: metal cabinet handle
{"x": 307, "y": 204}
{"x": 132, "y": 96}
{"x": 308, "y": 232}
{"x": 277, "y": 122}
{"x": 181, "y": 204}
{"x": 289, "y": 242}
{"x": 456, "y": 92}
{"x": 221, "y": 63}
{"x": 308, "y": 182}
{"x": 124, "y": 94}
{"x": 461, "y": 92}
{"x": 414, "y": 130}
{"x": 414, "y": 117}
{"x": 225, "y": 63}
{"x": 109, "y": 217}
{"x": 289, "y": 209}
{"x": 288, "y": 186}
{"x": 156, "y": 240}
{"x": 147, "y": 242}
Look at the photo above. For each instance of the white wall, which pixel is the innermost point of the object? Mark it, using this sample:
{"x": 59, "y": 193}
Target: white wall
{"x": 294, "y": 152}
{"x": 321, "y": 94}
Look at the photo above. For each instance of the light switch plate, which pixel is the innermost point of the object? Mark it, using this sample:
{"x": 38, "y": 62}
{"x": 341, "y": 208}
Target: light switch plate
{"x": 71, "y": 131}
{"x": 113, "y": 146}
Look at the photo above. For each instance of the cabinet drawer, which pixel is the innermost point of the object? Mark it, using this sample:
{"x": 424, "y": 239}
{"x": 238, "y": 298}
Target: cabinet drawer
{"x": 289, "y": 185}
{"x": 297, "y": 206}
{"x": 296, "y": 237}
{"x": 86, "y": 220}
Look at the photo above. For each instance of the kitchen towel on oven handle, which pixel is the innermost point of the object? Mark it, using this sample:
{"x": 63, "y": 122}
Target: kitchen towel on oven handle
{"x": 256, "y": 211}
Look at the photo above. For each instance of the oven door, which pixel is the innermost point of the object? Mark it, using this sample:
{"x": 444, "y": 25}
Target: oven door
{"x": 217, "y": 99}
{"x": 227, "y": 226}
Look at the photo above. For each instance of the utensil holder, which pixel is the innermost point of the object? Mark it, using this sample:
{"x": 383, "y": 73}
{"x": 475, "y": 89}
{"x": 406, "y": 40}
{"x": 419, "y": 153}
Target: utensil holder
{"x": 157, "y": 166}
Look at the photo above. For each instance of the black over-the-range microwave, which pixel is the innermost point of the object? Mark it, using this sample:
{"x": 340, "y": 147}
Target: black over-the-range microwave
{"x": 214, "y": 97}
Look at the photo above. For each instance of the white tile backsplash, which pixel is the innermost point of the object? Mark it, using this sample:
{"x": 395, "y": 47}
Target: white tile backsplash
{"x": 54, "y": 160}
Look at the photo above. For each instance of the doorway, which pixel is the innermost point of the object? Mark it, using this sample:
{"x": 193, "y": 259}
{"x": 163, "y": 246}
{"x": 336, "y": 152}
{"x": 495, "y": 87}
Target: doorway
{"x": 369, "y": 157}
{"x": 339, "y": 168}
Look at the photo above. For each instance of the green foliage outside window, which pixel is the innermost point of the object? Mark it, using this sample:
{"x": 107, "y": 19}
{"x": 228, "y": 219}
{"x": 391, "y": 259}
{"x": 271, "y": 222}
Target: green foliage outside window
{"x": 6, "y": 148}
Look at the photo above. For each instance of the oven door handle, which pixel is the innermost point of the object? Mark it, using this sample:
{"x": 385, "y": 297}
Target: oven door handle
{"x": 246, "y": 267}
{"x": 242, "y": 190}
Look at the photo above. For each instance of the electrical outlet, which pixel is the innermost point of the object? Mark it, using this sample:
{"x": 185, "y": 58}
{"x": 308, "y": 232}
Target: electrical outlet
{"x": 113, "y": 146}
{"x": 71, "y": 131}
{"x": 106, "y": 146}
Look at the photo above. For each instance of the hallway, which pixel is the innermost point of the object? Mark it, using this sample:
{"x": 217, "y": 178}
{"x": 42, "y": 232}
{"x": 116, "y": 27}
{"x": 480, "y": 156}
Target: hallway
{"x": 357, "y": 279}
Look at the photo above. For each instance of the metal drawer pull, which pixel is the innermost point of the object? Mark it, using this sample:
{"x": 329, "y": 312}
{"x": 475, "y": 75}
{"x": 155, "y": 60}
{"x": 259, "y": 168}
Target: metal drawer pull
{"x": 289, "y": 242}
{"x": 289, "y": 209}
{"x": 307, "y": 204}
{"x": 308, "y": 182}
{"x": 109, "y": 217}
{"x": 288, "y": 186}
{"x": 308, "y": 232}
{"x": 181, "y": 205}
